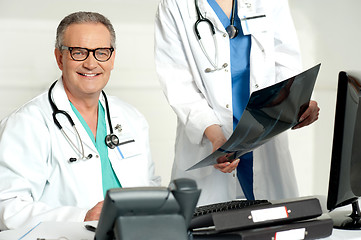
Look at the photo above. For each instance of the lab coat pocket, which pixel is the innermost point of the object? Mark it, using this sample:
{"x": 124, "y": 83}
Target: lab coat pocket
{"x": 127, "y": 149}
{"x": 128, "y": 146}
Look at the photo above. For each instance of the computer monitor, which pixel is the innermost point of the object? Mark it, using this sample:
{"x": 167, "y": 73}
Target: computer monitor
{"x": 345, "y": 172}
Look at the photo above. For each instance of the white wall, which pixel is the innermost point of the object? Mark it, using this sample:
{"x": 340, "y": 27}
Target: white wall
{"x": 327, "y": 31}
{"x": 329, "y": 34}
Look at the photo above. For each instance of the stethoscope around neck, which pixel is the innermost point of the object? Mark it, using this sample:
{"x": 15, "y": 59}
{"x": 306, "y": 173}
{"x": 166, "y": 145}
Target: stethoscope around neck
{"x": 231, "y": 30}
{"x": 111, "y": 140}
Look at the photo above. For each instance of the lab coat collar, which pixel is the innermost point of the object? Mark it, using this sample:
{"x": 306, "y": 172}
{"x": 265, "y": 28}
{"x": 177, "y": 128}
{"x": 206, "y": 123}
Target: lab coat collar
{"x": 59, "y": 96}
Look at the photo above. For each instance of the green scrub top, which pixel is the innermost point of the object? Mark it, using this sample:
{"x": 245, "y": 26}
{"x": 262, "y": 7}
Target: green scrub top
{"x": 109, "y": 178}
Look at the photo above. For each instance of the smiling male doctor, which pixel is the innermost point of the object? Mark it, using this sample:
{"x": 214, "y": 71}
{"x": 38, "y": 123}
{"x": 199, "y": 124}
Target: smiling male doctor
{"x": 53, "y": 175}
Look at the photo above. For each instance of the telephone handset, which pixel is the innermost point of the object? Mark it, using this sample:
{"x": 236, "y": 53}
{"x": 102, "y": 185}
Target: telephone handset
{"x": 148, "y": 212}
{"x": 186, "y": 192}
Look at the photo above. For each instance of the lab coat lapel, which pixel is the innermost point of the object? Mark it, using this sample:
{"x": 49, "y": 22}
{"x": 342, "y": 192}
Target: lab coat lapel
{"x": 61, "y": 100}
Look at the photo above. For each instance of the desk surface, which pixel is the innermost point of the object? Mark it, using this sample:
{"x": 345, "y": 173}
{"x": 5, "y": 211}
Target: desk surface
{"x": 77, "y": 231}
{"x": 51, "y": 230}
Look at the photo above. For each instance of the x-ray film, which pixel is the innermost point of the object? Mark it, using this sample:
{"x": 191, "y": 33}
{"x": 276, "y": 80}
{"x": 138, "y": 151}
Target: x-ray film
{"x": 269, "y": 112}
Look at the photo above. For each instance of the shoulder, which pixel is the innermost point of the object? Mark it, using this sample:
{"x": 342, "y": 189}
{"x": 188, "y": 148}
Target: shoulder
{"x": 271, "y": 7}
{"x": 31, "y": 119}
{"x": 173, "y": 5}
{"x": 170, "y": 2}
{"x": 36, "y": 108}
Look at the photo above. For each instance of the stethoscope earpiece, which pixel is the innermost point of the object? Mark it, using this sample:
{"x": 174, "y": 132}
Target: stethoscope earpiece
{"x": 208, "y": 70}
{"x": 71, "y": 160}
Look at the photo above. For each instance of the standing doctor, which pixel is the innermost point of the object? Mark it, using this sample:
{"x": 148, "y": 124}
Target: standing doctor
{"x": 210, "y": 56}
{"x": 53, "y": 171}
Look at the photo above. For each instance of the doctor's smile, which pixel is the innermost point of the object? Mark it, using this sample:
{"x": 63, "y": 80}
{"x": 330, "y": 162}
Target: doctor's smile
{"x": 89, "y": 74}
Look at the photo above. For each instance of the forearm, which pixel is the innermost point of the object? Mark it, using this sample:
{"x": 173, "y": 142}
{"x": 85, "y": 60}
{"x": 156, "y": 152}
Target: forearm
{"x": 19, "y": 212}
{"x": 215, "y": 136}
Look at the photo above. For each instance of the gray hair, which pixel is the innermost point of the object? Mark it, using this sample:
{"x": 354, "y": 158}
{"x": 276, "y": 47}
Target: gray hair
{"x": 83, "y": 17}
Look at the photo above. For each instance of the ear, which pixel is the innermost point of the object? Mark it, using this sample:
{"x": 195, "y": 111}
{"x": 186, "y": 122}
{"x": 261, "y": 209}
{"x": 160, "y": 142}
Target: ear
{"x": 59, "y": 58}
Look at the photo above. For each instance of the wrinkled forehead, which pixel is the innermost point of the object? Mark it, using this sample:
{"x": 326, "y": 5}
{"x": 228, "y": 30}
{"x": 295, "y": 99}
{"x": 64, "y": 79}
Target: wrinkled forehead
{"x": 87, "y": 35}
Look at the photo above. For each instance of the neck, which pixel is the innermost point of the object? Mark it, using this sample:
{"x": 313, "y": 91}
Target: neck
{"x": 88, "y": 109}
{"x": 226, "y": 6}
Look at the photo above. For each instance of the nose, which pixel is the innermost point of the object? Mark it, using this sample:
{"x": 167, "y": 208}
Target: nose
{"x": 90, "y": 62}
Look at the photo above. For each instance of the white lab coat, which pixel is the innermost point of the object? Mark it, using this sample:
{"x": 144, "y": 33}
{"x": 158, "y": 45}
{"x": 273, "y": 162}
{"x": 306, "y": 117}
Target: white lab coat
{"x": 201, "y": 99}
{"x": 37, "y": 183}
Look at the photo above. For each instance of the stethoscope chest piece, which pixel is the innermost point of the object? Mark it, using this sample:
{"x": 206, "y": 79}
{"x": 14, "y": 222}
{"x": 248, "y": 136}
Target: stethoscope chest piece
{"x": 112, "y": 141}
{"x": 232, "y": 31}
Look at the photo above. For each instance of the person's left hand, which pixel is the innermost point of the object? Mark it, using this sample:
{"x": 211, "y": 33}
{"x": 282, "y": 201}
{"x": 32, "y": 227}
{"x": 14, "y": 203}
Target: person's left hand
{"x": 227, "y": 167}
{"x": 309, "y": 116}
{"x": 94, "y": 213}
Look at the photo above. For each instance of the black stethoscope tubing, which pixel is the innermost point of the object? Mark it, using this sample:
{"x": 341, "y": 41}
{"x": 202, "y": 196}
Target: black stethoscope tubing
{"x": 111, "y": 139}
{"x": 231, "y": 29}
{"x": 202, "y": 19}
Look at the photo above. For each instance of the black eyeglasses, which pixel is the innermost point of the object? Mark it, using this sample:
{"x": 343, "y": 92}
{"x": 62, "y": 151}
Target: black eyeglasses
{"x": 80, "y": 54}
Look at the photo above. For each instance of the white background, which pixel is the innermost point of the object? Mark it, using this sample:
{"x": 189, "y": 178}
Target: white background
{"x": 328, "y": 32}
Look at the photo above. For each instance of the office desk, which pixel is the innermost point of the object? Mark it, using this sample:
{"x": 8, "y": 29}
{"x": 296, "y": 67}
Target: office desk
{"x": 344, "y": 234}
{"x": 77, "y": 231}
{"x": 51, "y": 230}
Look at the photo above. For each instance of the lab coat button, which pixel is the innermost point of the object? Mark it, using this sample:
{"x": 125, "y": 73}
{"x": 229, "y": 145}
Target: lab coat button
{"x": 225, "y": 35}
{"x": 256, "y": 86}
{"x": 227, "y": 105}
{"x": 97, "y": 156}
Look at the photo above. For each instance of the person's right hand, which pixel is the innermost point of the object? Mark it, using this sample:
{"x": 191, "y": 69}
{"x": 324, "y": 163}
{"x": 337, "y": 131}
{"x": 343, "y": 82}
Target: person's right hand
{"x": 216, "y": 137}
{"x": 94, "y": 213}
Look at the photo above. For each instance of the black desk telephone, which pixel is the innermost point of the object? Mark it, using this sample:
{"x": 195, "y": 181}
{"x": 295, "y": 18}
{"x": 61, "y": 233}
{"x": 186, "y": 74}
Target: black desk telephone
{"x": 148, "y": 212}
